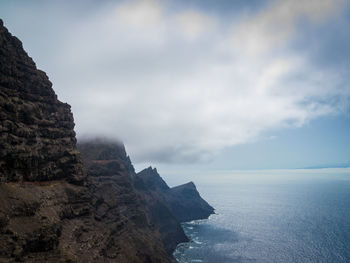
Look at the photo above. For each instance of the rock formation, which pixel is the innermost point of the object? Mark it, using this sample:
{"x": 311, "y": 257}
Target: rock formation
{"x": 150, "y": 189}
{"x": 186, "y": 203}
{"x": 117, "y": 209}
{"x": 165, "y": 207}
{"x": 184, "y": 200}
{"x": 37, "y": 140}
{"x": 49, "y": 210}
{"x": 56, "y": 206}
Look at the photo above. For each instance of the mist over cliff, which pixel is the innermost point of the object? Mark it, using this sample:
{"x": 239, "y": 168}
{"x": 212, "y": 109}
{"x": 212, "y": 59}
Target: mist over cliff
{"x": 60, "y": 203}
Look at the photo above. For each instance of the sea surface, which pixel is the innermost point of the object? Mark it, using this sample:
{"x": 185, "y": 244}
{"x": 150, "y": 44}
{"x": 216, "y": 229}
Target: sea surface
{"x": 272, "y": 216}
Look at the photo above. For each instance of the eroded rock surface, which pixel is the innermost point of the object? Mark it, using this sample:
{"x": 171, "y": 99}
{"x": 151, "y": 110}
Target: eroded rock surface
{"x": 187, "y": 204}
{"x": 56, "y": 206}
{"x": 150, "y": 188}
{"x": 50, "y": 210}
{"x": 117, "y": 207}
{"x": 37, "y": 140}
{"x": 184, "y": 201}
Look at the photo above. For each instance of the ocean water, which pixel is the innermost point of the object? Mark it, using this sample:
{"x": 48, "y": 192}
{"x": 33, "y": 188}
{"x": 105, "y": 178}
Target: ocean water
{"x": 272, "y": 216}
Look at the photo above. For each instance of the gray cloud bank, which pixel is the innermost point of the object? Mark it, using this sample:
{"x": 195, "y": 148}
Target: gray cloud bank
{"x": 180, "y": 85}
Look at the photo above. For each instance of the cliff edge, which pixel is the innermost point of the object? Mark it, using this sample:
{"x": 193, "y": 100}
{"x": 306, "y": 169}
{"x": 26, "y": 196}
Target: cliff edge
{"x": 50, "y": 209}
{"x": 184, "y": 201}
{"x": 60, "y": 205}
{"x": 37, "y": 140}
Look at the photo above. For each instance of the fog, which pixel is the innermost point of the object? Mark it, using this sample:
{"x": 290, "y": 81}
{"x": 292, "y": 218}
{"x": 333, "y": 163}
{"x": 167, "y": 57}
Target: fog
{"x": 177, "y": 85}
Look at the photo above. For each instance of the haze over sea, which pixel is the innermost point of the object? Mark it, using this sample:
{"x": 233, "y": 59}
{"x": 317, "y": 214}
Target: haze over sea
{"x": 271, "y": 216}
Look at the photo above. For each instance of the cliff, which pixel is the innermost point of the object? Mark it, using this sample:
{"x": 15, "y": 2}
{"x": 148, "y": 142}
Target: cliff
{"x": 108, "y": 167}
{"x": 59, "y": 206}
{"x": 118, "y": 209}
{"x": 164, "y": 207}
{"x": 50, "y": 210}
{"x": 150, "y": 188}
{"x": 184, "y": 201}
{"x": 37, "y": 140}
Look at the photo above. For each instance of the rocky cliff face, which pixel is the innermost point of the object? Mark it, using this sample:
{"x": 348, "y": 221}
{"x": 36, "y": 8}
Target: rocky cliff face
{"x": 111, "y": 173}
{"x": 168, "y": 207}
{"x": 152, "y": 180}
{"x": 50, "y": 211}
{"x": 38, "y": 159}
{"x": 184, "y": 201}
{"x": 56, "y": 207}
{"x": 150, "y": 188}
{"x": 119, "y": 210}
{"x": 37, "y": 140}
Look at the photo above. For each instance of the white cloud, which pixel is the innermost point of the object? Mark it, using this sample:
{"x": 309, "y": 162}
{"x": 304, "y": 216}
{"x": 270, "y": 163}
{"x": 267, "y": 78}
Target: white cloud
{"x": 130, "y": 72}
{"x": 194, "y": 23}
{"x": 139, "y": 14}
{"x": 278, "y": 23}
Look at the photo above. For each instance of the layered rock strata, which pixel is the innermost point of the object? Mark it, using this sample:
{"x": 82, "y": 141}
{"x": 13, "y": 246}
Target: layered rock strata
{"x": 50, "y": 211}
{"x": 37, "y": 140}
{"x": 184, "y": 201}
{"x": 158, "y": 209}
{"x": 114, "y": 198}
{"x": 109, "y": 166}
{"x": 58, "y": 207}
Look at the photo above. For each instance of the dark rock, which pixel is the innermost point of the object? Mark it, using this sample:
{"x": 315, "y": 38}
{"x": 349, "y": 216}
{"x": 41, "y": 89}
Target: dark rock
{"x": 168, "y": 207}
{"x": 186, "y": 203}
{"x": 159, "y": 212}
{"x": 115, "y": 177}
{"x": 50, "y": 210}
{"x": 118, "y": 208}
{"x": 103, "y": 150}
{"x": 37, "y": 139}
{"x": 184, "y": 200}
{"x": 152, "y": 180}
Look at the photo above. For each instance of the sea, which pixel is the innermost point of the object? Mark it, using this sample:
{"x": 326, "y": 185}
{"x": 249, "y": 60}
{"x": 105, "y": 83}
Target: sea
{"x": 270, "y": 216}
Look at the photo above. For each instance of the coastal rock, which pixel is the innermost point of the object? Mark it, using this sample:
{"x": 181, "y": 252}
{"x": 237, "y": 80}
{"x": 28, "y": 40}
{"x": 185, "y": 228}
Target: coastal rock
{"x": 111, "y": 173}
{"x": 152, "y": 180}
{"x": 50, "y": 209}
{"x": 118, "y": 208}
{"x": 37, "y": 140}
{"x": 56, "y": 206}
{"x": 184, "y": 201}
{"x": 150, "y": 188}
{"x": 168, "y": 207}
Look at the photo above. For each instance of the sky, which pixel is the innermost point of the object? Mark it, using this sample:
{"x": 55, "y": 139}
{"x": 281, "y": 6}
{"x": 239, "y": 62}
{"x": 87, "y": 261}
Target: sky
{"x": 199, "y": 84}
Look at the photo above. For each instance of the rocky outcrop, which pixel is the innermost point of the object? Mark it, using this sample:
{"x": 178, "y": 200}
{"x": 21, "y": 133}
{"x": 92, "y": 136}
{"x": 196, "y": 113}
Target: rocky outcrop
{"x": 99, "y": 150}
{"x": 41, "y": 221}
{"x": 117, "y": 207}
{"x": 37, "y": 140}
{"x": 168, "y": 207}
{"x": 184, "y": 200}
{"x": 152, "y": 180}
{"x": 164, "y": 207}
{"x": 150, "y": 188}
{"x": 50, "y": 209}
{"x": 186, "y": 203}
{"x": 58, "y": 207}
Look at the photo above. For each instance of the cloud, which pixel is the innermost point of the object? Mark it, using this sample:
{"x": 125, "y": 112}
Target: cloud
{"x": 276, "y": 24}
{"x": 179, "y": 85}
{"x": 139, "y": 13}
{"x": 193, "y": 23}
